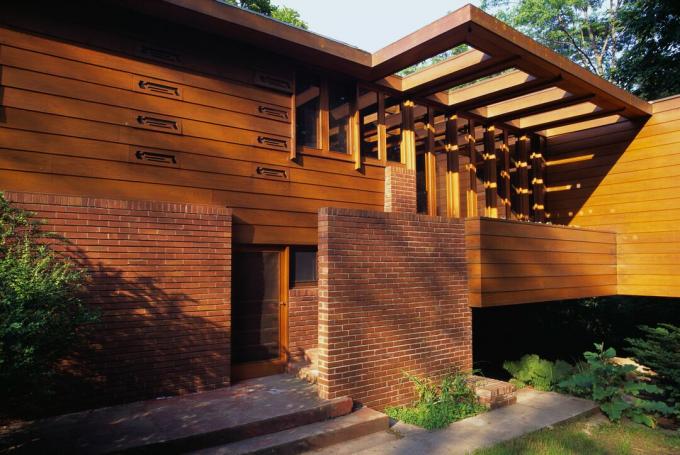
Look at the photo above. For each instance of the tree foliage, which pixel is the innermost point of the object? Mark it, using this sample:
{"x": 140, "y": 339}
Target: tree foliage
{"x": 635, "y": 43}
{"x": 281, "y": 13}
{"x": 650, "y": 63}
{"x": 659, "y": 349}
{"x": 40, "y": 312}
{"x": 586, "y": 31}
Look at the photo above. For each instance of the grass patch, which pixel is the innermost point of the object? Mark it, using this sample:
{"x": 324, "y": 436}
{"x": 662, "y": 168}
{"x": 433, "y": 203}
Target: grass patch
{"x": 439, "y": 403}
{"x": 591, "y": 438}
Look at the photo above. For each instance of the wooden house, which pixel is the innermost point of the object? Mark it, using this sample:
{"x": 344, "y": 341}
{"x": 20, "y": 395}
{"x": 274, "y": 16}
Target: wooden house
{"x": 245, "y": 193}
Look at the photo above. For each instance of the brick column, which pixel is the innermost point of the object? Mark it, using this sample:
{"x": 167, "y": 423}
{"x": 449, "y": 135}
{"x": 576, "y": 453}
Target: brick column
{"x": 393, "y": 297}
{"x": 161, "y": 278}
{"x": 400, "y": 190}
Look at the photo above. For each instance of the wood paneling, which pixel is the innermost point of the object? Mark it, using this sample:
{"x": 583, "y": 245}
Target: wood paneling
{"x": 624, "y": 177}
{"x": 79, "y": 120}
{"x": 511, "y": 262}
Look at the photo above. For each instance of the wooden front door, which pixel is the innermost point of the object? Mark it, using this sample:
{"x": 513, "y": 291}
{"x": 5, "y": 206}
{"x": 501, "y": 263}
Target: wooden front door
{"x": 259, "y": 313}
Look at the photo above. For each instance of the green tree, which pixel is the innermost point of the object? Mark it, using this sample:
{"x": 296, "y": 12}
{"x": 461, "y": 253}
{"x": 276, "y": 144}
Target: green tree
{"x": 650, "y": 63}
{"x": 281, "y": 13}
{"x": 588, "y": 32}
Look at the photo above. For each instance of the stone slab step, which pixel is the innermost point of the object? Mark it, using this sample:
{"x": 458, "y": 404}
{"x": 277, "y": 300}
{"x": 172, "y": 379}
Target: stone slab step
{"x": 191, "y": 422}
{"x": 360, "y": 423}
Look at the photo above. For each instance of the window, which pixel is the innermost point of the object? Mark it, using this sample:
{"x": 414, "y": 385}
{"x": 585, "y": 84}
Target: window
{"x": 393, "y": 119}
{"x": 340, "y": 97}
{"x": 368, "y": 122}
{"x": 307, "y": 118}
{"x": 302, "y": 266}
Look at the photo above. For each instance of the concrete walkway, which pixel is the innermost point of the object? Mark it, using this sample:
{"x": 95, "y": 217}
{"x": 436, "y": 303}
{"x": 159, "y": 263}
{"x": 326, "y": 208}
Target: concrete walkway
{"x": 534, "y": 410}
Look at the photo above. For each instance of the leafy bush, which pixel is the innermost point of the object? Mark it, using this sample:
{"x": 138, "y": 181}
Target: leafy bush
{"x": 660, "y": 351}
{"x": 438, "y": 404}
{"x": 616, "y": 388}
{"x": 539, "y": 373}
{"x": 40, "y": 312}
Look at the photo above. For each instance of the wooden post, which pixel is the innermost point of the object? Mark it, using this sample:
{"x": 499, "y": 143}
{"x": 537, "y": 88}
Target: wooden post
{"x": 522, "y": 178}
{"x": 490, "y": 183}
{"x": 382, "y": 129}
{"x": 538, "y": 186}
{"x": 472, "y": 171}
{"x": 430, "y": 165}
{"x": 355, "y": 130}
{"x": 452, "y": 168}
{"x": 505, "y": 176}
{"x": 408, "y": 143}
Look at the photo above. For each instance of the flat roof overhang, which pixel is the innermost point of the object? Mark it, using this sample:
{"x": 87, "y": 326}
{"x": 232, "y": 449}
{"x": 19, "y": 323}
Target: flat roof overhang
{"x": 502, "y": 67}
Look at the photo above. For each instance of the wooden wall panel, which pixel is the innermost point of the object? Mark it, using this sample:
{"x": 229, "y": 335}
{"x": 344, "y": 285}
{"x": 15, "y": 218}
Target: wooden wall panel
{"x": 512, "y": 262}
{"x": 625, "y": 177}
{"x": 70, "y": 123}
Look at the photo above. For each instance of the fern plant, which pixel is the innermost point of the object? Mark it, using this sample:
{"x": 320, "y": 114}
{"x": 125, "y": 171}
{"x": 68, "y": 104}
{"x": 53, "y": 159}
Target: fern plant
{"x": 539, "y": 373}
{"x": 616, "y": 388}
{"x": 438, "y": 403}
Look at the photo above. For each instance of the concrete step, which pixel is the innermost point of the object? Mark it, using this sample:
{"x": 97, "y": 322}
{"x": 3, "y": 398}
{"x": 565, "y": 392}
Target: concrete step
{"x": 179, "y": 424}
{"x": 306, "y": 369}
{"x": 360, "y": 423}
{"x": 312, "y": 356}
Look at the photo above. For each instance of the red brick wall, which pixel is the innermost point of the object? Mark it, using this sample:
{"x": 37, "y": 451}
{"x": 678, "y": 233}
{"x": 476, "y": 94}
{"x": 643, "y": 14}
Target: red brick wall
{"x": 400, "y": 190}
{"x": 303, "y": 321}
{"x": 392, "y": 298}
{"x": 161, "y": 276}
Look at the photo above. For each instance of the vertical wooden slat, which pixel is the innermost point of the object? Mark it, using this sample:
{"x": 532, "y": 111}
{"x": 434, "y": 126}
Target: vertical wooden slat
{"x": 382, "y": 129}
{"x": 354, "y": 130}
{"x": 523, "y": 177}
{"x": 452, "y": 167}
{"x": 324, "y": 117}
{"x": 408, "y": 143}
{"x": 472, "y": 171}
{"x": 490, "y": 183}
{"x": 537, "y": 180}
{"x": 293, "y": 125}
{"x": 430, "y": 165}
{"x": 505, "y": 186}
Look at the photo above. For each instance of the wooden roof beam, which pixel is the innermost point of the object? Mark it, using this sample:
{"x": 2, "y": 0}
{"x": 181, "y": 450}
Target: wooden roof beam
{"x": 541, "y": 108}
{"x": 506, "y": 94}
{"x": 463, "y": 76}
{"x": 574, "y": 119}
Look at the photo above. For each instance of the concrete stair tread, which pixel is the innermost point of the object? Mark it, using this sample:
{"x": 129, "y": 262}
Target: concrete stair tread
{"x": 360, "y": 423}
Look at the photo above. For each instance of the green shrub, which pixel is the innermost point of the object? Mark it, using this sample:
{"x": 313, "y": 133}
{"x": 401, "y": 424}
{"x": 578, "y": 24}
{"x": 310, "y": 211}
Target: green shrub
{"x": 40, "y": 313}
{"x": 616, "y": 388}
{"x": 539, "y": 373}
{"x": 438, "y": 404}
{"x": 660, "y": 351}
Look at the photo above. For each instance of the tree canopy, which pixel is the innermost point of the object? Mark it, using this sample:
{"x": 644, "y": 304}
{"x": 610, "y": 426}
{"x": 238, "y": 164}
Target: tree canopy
{"x": 281, "y": 13}
{"x": 635, "y": 43}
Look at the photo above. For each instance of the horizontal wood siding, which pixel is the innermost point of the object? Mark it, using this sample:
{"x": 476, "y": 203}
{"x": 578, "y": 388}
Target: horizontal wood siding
{"x": 80, "y": 120}
{"x": 511, "y": 262}
{"x": 627, "y": 179}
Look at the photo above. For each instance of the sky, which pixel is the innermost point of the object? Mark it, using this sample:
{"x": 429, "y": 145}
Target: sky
{"x": 370, "y": 24}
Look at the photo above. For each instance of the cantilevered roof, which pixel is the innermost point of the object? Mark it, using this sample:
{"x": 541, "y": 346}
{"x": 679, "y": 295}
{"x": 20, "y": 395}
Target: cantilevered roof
{"x": 506, "y": 78}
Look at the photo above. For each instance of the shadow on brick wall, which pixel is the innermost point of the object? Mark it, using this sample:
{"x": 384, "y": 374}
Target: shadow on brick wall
{"x": 159, "y": 334}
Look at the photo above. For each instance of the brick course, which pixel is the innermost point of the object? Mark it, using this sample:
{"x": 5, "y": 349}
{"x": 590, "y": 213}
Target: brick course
{"x": 400, "y": 190}
{"x": 161, "y": 276}
{"x": 392, "y": 298}
{"x": 303, "y": 321}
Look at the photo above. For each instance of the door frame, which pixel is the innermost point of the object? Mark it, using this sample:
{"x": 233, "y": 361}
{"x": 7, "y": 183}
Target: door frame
{"x": 247, "y": 370}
